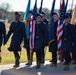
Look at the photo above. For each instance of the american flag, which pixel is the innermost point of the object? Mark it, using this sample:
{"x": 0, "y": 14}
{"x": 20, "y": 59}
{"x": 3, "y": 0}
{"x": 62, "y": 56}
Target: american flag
{"x": 60, "y": 28}
{"x": 51, "y": 30}
{"x": 62, "y": 10}
{"x": 32, "y": 32}
{"x": 32, "y": 25}
{"x": 32, "y": 29}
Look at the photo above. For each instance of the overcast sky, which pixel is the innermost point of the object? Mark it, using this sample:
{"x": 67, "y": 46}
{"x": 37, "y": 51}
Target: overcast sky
{"x": 20, "y": 5}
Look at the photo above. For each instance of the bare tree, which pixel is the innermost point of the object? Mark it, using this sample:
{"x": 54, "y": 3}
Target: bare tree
{"x": 4, "y": 9}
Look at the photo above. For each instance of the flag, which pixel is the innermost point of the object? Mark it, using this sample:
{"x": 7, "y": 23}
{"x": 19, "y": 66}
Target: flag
{"x": 73, "y": 20}
{"x": 71, "y": 7}
{"x": 66, "y": 4}
{"x": 53, "y": 6}
{"x": 35, "y": 10}
{"x": 32, "y": 30}
{"x": 32, "y": 25}
{"x": 60, "y": 29}
{"x": 51, "y": 31}
{"x": 62, "y": 11}
{"x": 40, "y": 10}
{"x": 59, "y": 39}
{"x": 27, "y": 10}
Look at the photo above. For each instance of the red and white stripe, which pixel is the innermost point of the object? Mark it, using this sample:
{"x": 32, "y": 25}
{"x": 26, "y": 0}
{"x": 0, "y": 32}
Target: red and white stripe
{"x": 32, "y": 32}
{"x": 59, "y": 35}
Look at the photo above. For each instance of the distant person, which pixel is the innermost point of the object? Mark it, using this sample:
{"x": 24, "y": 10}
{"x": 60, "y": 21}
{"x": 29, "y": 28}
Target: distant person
{"x": 53, "y": 43}
{"x": 2, "y": 36}
{"x": 17, "y": 28}
{"x": 73, "y": 56}
{"x": 41, "y": 37}
{"x": 68, "y": 38}
{"x": 73, "y": 50}
{"x": 45, "y": 47}
{"x": 44, "y": 18}
{"x": 27, "y": 28}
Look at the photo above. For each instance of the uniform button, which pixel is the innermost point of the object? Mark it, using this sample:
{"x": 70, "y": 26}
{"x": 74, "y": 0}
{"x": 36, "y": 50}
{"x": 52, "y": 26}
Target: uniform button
{"x": 65, "y": 38}
{"x": 37, "y": 37}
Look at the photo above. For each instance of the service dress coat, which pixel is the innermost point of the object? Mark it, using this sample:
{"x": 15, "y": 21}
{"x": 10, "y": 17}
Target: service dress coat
{"x": 53, "y": 45}
{"x": 41, "y": 35}
{"x": 2, "y": 34}
{"x": 18, "y": 30}
{"x": 68, "y": 37}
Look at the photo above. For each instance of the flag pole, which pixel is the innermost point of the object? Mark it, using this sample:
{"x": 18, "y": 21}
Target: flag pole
{"x": 40, "y": 10}
{"x": 32, "y": 31}
{"x": 66, "y": 4}
{"x": 71, "y": 7}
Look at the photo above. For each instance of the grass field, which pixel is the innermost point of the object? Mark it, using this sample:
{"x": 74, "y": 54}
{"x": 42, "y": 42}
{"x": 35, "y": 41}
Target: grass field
{"x": 8, "y": 57}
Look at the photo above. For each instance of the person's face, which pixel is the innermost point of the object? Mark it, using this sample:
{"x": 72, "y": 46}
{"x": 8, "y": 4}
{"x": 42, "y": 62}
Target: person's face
{"x": 66, "y": 20}
{"x": 39, "y": 19}
{"x": 29, "y": 15}
{"x": 43, "y": 17}
{"x": 55, "y": 17}
{"x": 17, "y": 17}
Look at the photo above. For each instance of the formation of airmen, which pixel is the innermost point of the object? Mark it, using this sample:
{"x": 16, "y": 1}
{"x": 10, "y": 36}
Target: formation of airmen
{"x": 21, "y": 32}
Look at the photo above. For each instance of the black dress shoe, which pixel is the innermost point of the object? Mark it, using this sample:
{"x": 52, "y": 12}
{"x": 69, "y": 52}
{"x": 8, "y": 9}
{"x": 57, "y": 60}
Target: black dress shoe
{"x": 27, "y": 63}
{"x": 50, "y": 61}
{"x": 42, "y": 62}
{"x": 15, "y": 66}
{"x": 74, "y": 62}
{"x": 37, "y": 67}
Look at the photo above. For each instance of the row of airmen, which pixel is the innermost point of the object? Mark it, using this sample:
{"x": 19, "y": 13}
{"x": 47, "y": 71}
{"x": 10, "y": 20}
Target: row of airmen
{"x": 21, "y": 30}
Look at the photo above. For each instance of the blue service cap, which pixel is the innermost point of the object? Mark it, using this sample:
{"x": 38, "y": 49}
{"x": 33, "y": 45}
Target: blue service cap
{"x": 66, "y": 16}
{"x": 17, "y": 13}
{"x": 38, "y": 14}
{"x": 43, "y": 13}
{"x": 69, "y": 15}
{"x": 54, "y": 13}
{"x": 30, "y": 11}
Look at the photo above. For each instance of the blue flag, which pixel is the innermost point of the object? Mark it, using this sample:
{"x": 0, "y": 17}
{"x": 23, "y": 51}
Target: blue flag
{"x": 53, "y": 6}
{"x": 66, "y": 4}
{"x": 27, "y": 9}
{"x": 51, "y": 32}
{"x": 71, "y": 7}
{"x": 40, "y": 10}
{"x": 62, "y": 12}
{"x": 35, "y": 10}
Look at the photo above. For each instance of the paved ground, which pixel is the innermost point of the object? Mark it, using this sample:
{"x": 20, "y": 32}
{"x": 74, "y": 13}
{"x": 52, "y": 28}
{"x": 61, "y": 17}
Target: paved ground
{"x": 44, "y": 70}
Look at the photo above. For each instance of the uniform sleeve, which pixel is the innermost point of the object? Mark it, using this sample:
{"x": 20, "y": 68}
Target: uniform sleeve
{"x": 9, "y": 32}
{"x": 24, "y": 34}
{"x": 46, "y": 34}
{"x": 72, "y": 31}
{"x": 4, "y": 33}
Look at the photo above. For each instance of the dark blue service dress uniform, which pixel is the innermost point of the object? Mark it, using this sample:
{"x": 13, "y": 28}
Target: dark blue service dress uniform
{"x": 73, "y": 50}
{"x": 53, "y": 45}
{"x": 2, "y": 34}
{"x": 41, "y": 38}
{"x": 68, "y": 38}
{"x": 43, "y": 52}
{"x": 18, "y": 30}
